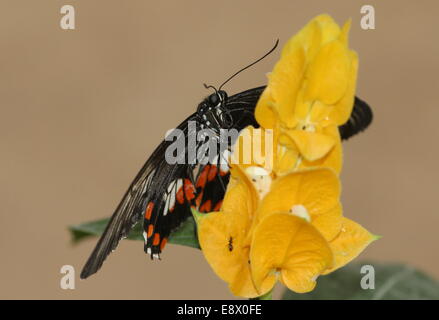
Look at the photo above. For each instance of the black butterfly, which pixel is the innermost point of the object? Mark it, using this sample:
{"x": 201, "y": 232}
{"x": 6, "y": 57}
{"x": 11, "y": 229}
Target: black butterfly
{"x": 162, "y": 193}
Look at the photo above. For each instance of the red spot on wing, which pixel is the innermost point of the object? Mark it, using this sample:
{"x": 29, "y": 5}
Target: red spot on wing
{"x": 218, "y": 205}
{"x": 212, "y": 173}
{"x": 148, "y": 210}
{"x": 180, "y": 196}
{"x": 198, "y": 200}
{"x": 156, "y": 240}
{"x": 202, "y": 179}
{"x": 150, "y": 230}
{"x": 206, "y": 206}
{"x": 163, "y": 243}
{"x": 189, "y": 189}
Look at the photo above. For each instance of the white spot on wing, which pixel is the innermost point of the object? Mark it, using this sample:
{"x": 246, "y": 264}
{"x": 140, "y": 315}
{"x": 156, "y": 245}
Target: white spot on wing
{"x": 224, "y": 161}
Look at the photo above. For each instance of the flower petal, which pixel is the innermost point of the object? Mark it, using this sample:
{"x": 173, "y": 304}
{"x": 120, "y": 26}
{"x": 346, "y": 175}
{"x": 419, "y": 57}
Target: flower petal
{"x": 343, "y": 108}
{"x": 240, "y": 198}
{"x": 330, "y": 223}
{"x": 317, "y": 189}
{"x": 349, "y": 243}
{"x": 216, "y": 231}
{"x": 286, "y": 160}
{"x": 328, "y": 74}
{"x": 317, "y": 32}
{"x": 334, "y": 158}
{"x": 286, "y": 243}
{"x": 312, "y": 145}
{"x": 254, "y": 147}
{"x": 285, "y": 82}
{"x": 243, "y": 286}
{"x": 264, "y": 113}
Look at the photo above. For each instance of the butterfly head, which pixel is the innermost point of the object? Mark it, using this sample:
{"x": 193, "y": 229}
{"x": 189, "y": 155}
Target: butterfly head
{"x": 213, "y": 113}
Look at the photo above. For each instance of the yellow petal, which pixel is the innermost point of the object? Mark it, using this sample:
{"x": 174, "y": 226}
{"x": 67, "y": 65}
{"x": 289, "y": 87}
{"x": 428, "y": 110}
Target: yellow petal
{"x": 343, "y": 108}
{"x": 334, "y": 158}
{"x": 328, "y": 73}
{"x": 242, "y": 285}
{"x": 344, "y": 32}
{"x": 287, "y": 244}
{"x": 316, "y": 190}
{"x": 254, "y": 147}
{"x": 319, "y": 112}
{"x": 308, "y": 38}
{"x": 286, "y": 160}
{"x": 349, "y": 243}
{"x": 330, "y": 29}
{"x": 316, "y": 33}
{"x": 312, "y": 145}
{"x": 330, "y": 223}
{"x": 240, "y": 197}
{"x": 224, "y": 236}
{"x": 285, "y": 82}
{"x": 264, "y": 113}
{"x": 303, "y": 106}
{"x": 216, "y": 232}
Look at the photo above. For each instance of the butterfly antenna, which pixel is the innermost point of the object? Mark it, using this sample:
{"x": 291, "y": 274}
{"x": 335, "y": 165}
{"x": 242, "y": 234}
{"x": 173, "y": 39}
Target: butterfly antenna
{"x": 207, "y": 87}
{"x": 251, "y": 64}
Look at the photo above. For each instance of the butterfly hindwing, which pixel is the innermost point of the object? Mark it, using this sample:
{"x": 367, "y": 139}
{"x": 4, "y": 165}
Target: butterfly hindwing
{"x": 149, "y": 184}
{"x": 361, "y": 117}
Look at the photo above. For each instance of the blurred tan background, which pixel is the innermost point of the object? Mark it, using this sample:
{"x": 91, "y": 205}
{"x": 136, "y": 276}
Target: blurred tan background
{"x": 81, "y": 110}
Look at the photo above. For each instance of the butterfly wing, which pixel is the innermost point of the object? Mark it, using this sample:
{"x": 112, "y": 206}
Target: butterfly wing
{"x": 361, "y": 117}
{"x": 212, "y": 179}
{"x": 149, "y": 183}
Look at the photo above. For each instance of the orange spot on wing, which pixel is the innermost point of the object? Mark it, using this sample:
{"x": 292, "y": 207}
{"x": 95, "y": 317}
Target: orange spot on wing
{"x": 223, "y": 173}
{"x": 150, "y": 230}
{"x": 206, "y": 206}
{"x": 198, "y": 200}
{"x": 180, "y": 196}
{"x": 156, "y": 240}
{"x": 189, "y": 189}
{"x": 202, "y": 179}
{"x": 148, "y": 210}
{"x": 163, "y": 243}
{"x": 212, "y": 173}
{"x": 218, "y": 205}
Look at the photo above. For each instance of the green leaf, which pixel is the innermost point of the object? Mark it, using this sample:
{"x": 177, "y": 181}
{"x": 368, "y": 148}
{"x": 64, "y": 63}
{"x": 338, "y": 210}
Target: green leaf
{"x": 392, "y": 282}
{"x": 185, "y": 235}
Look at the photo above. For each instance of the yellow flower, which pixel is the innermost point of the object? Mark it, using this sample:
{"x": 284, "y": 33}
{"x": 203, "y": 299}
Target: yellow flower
{"x": 349, "y": 243}
{"x": 326, "y": 70}
{"x": 288, "y": 247}
{"x": 299, "y": 149}
{"x": 224, "y": 237}
{"x": 281, "y": 218}
{"x": 311, "y": 194}
{"x": 294, "y": 231}
{"x": 311, "y": 92}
